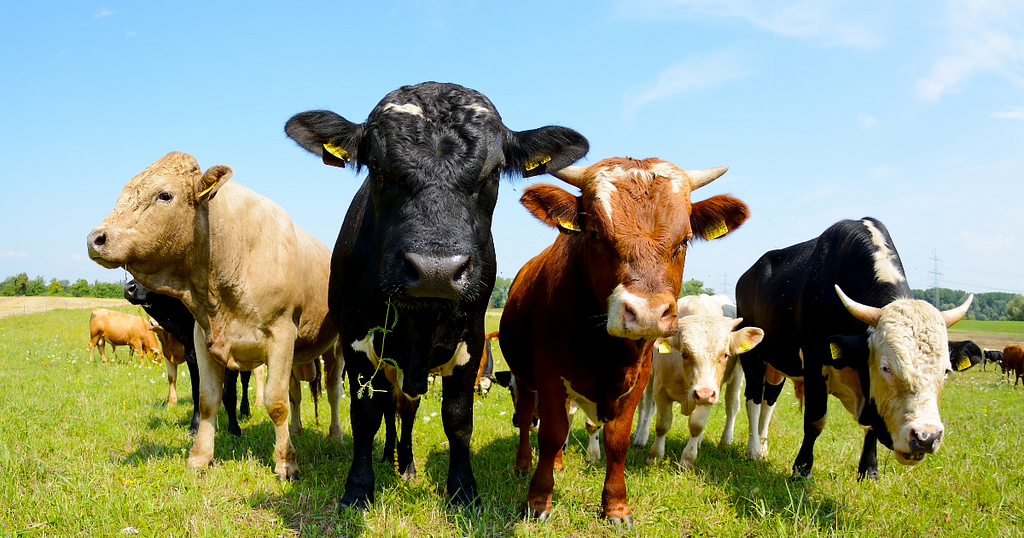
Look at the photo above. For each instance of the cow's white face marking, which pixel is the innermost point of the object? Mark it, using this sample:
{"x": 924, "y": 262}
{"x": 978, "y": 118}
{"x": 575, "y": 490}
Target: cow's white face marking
{"x": 588, "y": 407}
{"x": 605, "y": 178}
{"x": 604, "y": 186}
{"x": 478, "y": 108}
{"x": 885, "y": 258}
{"x": 648, "y": 322}
{"x": 909, "y": 356}
{"x": 407, "y": 108}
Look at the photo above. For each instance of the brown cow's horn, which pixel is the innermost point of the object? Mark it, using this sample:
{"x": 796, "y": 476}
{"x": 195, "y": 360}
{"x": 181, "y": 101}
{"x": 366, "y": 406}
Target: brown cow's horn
{"x": 865, "y": 313}
{"x": 572, "y": 175}
{"x": 954, "y": 315}
{"x": 699, "y": 178}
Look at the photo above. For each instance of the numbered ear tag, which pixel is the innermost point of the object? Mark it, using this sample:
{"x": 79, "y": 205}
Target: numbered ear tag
{"x": 837, "y": 352}
{"x": 571, "y": 226}
{"x": 531, "y": 165}
{"x": 664, "y": 348}
{"x": 962, "y": 364}
{"x": 745, "y": 346}
{"x": 337, "y": 151}
{"x": 716, "y": 230}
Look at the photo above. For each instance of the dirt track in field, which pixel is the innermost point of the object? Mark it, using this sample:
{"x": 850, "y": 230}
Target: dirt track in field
{"x": 16, "y": 306}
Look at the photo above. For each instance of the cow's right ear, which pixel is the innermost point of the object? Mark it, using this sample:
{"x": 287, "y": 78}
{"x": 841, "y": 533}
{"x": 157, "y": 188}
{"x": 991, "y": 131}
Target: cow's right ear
{"x": 212, "y": 180}
{"x": 327, "y": 135}
{"x": 848, "y": 351}
{"x": 541, "y": 151}
{"x": 553, "y": 206}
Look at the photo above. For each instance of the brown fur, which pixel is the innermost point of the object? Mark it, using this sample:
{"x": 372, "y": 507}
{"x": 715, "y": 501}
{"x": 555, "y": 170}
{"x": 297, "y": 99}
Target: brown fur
{"x": 118, "y": 329}
{"x": 1013, "y": 362}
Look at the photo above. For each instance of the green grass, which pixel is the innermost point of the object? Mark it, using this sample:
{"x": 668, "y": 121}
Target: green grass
{"x": 1010, "y": 329}
{"x": 88, "y": 449}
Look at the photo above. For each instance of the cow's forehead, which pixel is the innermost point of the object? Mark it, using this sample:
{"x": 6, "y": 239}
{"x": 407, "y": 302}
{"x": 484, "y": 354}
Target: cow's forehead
{"x": 173, "y": 166}
{"x": 916, "y": 333}
{"x": 699, "y": 331}
{"x": 606, "y": 179}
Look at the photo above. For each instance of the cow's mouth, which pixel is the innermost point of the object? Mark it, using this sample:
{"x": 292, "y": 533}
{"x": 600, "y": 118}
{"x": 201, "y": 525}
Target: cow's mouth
{"x": 422, "y": 303}
{"x": 909, "y": 458}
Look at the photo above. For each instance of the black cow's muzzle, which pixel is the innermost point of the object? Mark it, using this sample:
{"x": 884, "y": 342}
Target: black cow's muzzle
{"x": 440, "y": 277}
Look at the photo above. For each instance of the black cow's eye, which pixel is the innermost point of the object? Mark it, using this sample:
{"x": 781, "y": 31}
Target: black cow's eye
{"x": 164, "y": 197}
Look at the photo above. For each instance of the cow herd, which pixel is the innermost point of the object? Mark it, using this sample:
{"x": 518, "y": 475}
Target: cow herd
{"x": 236, "y": 285}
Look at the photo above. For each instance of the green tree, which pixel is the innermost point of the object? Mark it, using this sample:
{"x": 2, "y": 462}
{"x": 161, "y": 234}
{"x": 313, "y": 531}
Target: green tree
{"x": 500, "y": 292}
{"x": 54, "y": 289}
{"x": 694, "y": 287}
{"x": 16, "y": 285}
{"x": 81, "y": 288}
{"x": 1015, "y": 308}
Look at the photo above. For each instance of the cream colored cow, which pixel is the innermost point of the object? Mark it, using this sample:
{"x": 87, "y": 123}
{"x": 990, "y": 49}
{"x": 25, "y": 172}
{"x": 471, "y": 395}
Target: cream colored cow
{"x": 690, "y": 367}
{"x": 254, "y": 281}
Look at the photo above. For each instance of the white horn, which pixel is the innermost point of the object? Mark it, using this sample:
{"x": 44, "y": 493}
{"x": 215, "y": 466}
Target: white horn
{"x": 956, "y": 314}
{"x": 572, "y": 175}
{"x": 699, "y": 178}
{"x": 865, "y": 313}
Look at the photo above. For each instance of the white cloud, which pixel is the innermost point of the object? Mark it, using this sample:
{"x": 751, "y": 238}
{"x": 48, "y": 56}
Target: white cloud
{"x": 1014, "y": 113}
{"x": 12, "y": 254}
{"x": 988, "y": 244}
{"x": 103, "y": 12}
{"x": 827, "y": 22}
{"x": 866, "y": 121}
{"x": 693, "y": 73}
{"x": 984, "y": 36}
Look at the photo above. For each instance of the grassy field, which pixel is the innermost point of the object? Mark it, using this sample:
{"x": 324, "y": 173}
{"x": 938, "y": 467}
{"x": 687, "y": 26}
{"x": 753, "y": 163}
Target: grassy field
{"x": 88, "y": 449}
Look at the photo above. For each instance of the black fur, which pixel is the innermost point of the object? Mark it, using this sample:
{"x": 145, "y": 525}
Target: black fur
{"x": 417, "y": 235}
{"x": 964, "y": 349}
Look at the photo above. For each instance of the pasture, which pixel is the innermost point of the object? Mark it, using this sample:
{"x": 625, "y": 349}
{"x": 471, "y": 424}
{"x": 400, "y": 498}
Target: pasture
{"x": 88, "y": 449}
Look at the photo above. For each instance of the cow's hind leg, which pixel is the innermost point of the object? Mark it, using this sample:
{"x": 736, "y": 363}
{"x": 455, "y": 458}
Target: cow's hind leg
{"x": 243, "y": 407}
{"x": 210, "y": 387}
{"x": 644, "y": 414}
{"x": 526, "y": 402}
{"x": 230, "y": 399}
{"x": 868, "y": 467}
{"x": 193, "y": 378}
{"x": 661, "y": 427}
{"x": 295, "y": 402}
{"x": 172, "y": 378}
{"x": 406, "y": 466}
{"x": 334, "y": 364}
{"x": 771, "y": 396}
{"x": 732, "y": 405}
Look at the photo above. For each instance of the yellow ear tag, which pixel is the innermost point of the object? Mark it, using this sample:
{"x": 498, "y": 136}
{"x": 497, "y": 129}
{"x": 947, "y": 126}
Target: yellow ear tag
{"x": 337, "y": 151}
{"x": 837, "y": 352}
{"x": 962, "y": 364}
{"x": 571, "y": 226}
{"x": 208, "y": 189}
{"x": 530, "y": 165}
{"x": 745, "y": 346}
{"x": 664, "y": 348}
{"x": 716, "y": 230}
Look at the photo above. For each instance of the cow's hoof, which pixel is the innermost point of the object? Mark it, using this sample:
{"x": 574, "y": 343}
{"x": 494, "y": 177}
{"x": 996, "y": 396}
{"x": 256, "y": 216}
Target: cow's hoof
{"x": 294, "y": 477}
{"x": 871, "y": 474}
{"x": 193, "y": 430}
{"x": 235, "y": 430}
{"x": 361, "y": 507}
{"x": 539, "y": 515}
{"x": 799, "y": 475}
{"x": 623, "y": 522}
{"x": 521, "y": 473}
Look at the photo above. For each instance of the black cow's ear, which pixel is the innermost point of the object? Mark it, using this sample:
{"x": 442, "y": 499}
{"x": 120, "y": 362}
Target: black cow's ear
{"x": 553, "y": 206}
{"x": 848, "y": 351}
{"x": 544, "y": 150}
{"x": 327, "y": 135}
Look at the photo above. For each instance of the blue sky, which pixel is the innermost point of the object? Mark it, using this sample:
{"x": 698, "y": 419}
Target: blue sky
{"x": 910, "y": 112}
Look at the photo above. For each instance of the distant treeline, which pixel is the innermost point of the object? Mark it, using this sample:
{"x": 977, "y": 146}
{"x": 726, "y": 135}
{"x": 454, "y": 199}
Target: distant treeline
{"x": 22, "y": 285}
{"x": 994, "y": 306}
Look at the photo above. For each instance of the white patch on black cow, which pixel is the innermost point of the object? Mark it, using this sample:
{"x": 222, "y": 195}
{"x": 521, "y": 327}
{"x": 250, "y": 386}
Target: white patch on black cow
{"x": 478, "y": 108}
{"x": 407, "y": 108}
{"x": 885, "y": 258}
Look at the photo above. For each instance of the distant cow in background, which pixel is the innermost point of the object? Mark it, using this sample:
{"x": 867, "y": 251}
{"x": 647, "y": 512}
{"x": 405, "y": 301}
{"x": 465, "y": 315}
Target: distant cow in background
{"x": 991, "y": 355}
{"x": 119, "y": 329}
{"x": 1013, "y": 362}
{"x": 485, "y": 376}
{"x": 690, "y": 367}
{"x": 964, "y": 355}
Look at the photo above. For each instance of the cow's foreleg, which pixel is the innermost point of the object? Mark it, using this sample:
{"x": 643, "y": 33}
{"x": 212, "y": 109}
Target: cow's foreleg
{"x": 365, "y": 412}
{"x": 457, "y": 415}
{"x": 753, "y": 373}
{"x": 662, "y": 427}
{"x": 280, "y": 352}
{"x": 172, "y": 378}
{"x": 815, "y": 414}
{"x": 333, "y": 366}
{"x": 616, "y": 443}
{"x": 406, "y": 464}
{"x": 644, "y": 414}
{"x": 732, "y": 404}
{"x": 211, "y": 383}
{"x": 771, "y": 396}
{"x": 554, "y": 426}
{"x": 230, "y": 400}
{"x": 698, "y": 419}
{"x": 868, "y": 467}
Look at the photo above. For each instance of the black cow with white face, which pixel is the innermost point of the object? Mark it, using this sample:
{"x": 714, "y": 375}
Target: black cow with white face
{"x": 172, "y": 315}
{"x": 415, "y": 249}
{"x": 837, "y": 312}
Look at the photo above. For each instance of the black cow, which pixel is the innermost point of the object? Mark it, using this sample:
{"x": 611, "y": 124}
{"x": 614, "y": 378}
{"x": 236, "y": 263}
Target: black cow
{"x": 887, "y": 370}
{"x": 964, "y": 355}
{"x": 172, "y": 315}
{"x": 415, "y": 258}
{"x": 991, "y": 355}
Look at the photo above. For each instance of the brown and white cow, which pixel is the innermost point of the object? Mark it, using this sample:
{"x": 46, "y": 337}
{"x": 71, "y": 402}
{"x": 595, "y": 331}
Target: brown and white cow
{"x": 254, "y": 281}
{"x": 120, "y": 329}
{"x": 610, "y": 279}
{"x": 690, "y": 367}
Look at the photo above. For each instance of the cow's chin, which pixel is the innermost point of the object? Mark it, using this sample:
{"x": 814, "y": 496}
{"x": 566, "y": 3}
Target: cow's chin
{"x": 106, "y": 263}
{"x": 909, "y": 458}
{"x": 422, "y": 303}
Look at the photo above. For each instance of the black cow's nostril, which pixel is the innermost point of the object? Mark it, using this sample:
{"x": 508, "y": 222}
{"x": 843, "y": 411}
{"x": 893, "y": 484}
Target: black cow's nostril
{"x": 443, "y": 277}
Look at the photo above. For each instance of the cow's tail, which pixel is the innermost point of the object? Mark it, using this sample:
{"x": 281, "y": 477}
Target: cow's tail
{"x": 316, "y": 387}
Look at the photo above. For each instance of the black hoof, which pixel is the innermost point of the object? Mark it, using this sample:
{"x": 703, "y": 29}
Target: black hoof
{"x": 193, "y": 430}
{"x": 539, "y": 515}
{"x": 619, "y": 523}
{"x": 233, "y": 429}
{"x": 354, "y": 504}
{"x": 871, "y": 475}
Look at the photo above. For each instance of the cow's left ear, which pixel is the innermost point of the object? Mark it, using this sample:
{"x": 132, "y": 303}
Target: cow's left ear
{"x": 540, "y": 151}
{"x": 327, "y": 135}
{"x": 213, "y": 179}
{"x": 744, "y": 340}
{"x": 553, "y": 206}
{"x": 848, "y": 351}
{"x": 717, "y": 216}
